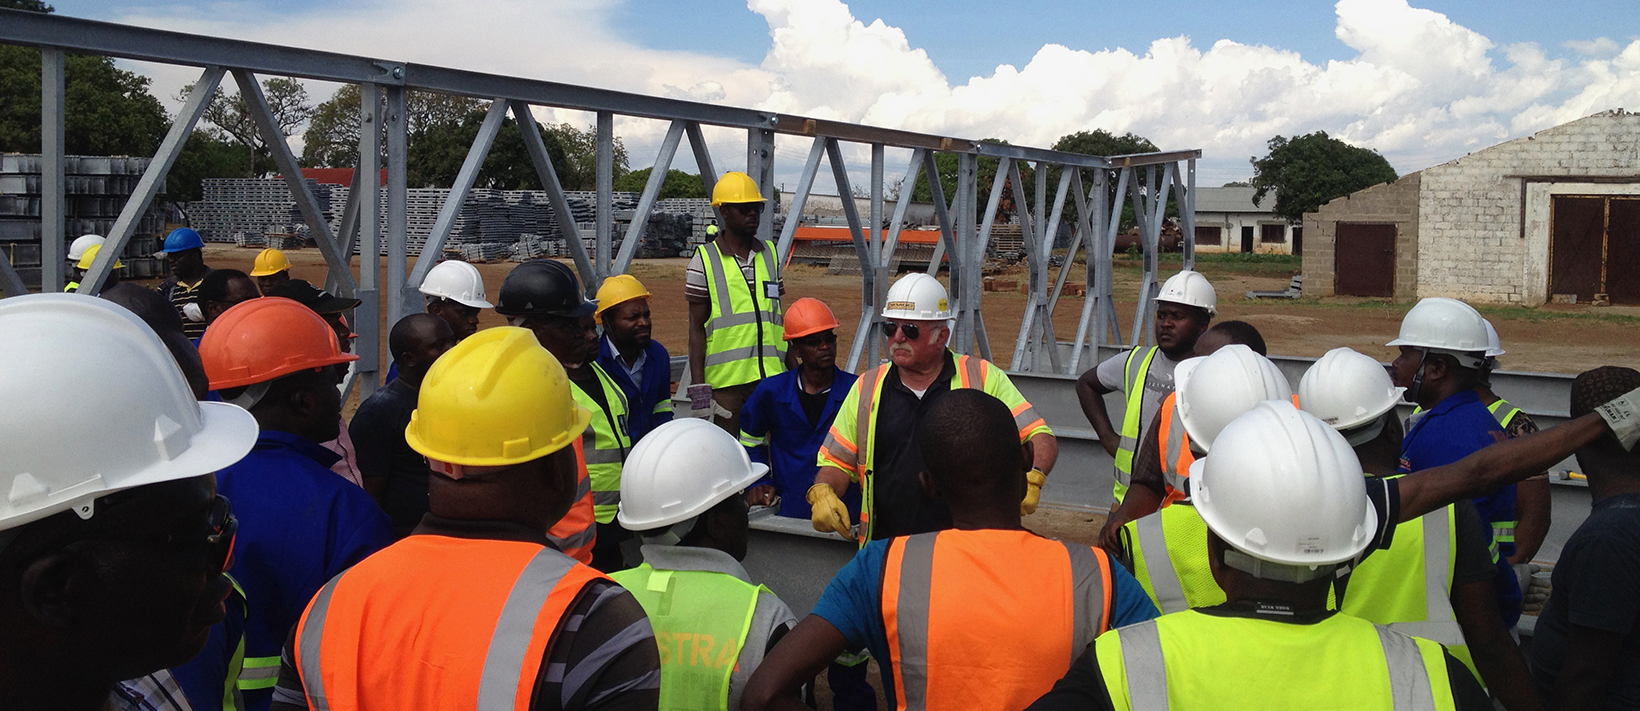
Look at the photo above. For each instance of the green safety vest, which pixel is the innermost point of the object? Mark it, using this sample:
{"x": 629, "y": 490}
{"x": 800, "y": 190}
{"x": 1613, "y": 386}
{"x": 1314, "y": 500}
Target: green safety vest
{"x": 1408, "y": 586}
{"x": 701, "y": 620}
{"x": 744, "y": 335}
{"x": 1504, "y": 413}
{"x": 605, "y": 444}
{"x": 1169, "y": 553}
{"x": 1191, "y": 660}
{"x": 1135, "y": 392}
{"x": 73, "y": 286}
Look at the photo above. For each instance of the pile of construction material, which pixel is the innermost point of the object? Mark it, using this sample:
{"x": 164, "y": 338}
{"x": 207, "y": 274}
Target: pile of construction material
{"x": 97, "y": 188}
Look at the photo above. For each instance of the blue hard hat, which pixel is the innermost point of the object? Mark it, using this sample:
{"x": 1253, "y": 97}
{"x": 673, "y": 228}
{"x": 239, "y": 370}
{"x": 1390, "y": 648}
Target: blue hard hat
{"x": 180, "y": 238}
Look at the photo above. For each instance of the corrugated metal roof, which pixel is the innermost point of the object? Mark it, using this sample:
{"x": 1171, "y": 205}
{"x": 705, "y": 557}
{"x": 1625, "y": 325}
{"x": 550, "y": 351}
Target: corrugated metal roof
{"x": 1234, "y": 199}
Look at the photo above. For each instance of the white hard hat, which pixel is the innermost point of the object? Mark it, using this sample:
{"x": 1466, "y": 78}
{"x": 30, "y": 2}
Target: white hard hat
{"x": 457, "y": 281}
{"x": 680, "y": 470}
{"x": 1347, "y": 389}
{"x": 1214, "y": 390}
{"x": 1494, "y": 345}
{"x": 1191, "y": 289}
{"x": 76, "y": 249}
{"x": 1284, "y": 487}
{"x": 917, "y": 297}
{"x": 1446, "y": 325}
{"x": 94, "y": 404}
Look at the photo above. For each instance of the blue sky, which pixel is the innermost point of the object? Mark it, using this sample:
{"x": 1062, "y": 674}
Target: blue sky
{"x": 1420, "y": 81}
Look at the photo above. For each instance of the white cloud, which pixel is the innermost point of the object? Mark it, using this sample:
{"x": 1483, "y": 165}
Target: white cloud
{"x": 1419, "y": 88}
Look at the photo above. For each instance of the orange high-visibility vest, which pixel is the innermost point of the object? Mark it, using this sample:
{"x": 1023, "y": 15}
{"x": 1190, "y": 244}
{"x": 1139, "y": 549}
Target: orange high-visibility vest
{"x": 436, "y": 622}
{"x": 989, "y": 619}
{"x": 575, "y": 533}
{"x": 1174, "y": 450}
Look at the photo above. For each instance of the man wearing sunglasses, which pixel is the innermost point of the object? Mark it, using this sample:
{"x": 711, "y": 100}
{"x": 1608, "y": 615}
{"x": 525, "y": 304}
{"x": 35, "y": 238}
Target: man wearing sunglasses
{"x": 872, "y": 444}
{"x": 111, "y": 556}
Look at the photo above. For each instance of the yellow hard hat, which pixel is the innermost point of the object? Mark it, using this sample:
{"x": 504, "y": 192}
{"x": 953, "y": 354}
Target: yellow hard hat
{"x": 496, "y": 399}
{"x": 91, "y": 256}
{"x": 618, "y": 289}
{"x": 269, "y": 262}
{"x": 735, "y": 187}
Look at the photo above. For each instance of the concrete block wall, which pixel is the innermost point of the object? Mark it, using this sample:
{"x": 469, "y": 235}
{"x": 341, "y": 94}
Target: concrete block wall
{"x": 1471, "y": 242}
{"x": 1395, "y": 203}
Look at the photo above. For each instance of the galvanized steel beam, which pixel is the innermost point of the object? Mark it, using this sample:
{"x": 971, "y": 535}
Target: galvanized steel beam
{"x": 555, "y": 195}
{"x": 402, "y": 298}
{"x": 465, "y": 178}
{"x": 366, "y": 316}
{"x": 53, "y": 178}
{"x": 646, "y": 201}
{"x": 10, "y": 282}
{"x": 604, "y": 184}
{"x": 794, "y": 211}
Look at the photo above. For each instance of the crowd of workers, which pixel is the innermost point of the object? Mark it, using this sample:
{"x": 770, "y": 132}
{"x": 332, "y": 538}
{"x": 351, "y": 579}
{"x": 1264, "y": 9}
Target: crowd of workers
{"x": 517, "y": 521}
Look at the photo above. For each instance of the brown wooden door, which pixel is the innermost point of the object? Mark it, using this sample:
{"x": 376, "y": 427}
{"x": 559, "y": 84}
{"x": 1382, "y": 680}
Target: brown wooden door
{"x": 1576, "y": 245}
{"x": 1364, "y": 259}
{"x": 1623, "y": 250}
{"x": 1247, "y": 239}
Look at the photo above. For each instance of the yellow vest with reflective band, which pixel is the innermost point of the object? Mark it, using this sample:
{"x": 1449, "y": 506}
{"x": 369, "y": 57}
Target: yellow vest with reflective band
{"x": 1504, "y": 413}
{"x": 1408, "y": 586}
{"x": 1191, "y": 660}
{"x": 1134, "y": 379}
{"x": 701, "y": 620}
{"x": 851, "y": 430}
{"x": 1169, "y": 553}
{"x": 605, "y": 443}
{"x": 72, "y": 287}
{"x": 744, "y": 336}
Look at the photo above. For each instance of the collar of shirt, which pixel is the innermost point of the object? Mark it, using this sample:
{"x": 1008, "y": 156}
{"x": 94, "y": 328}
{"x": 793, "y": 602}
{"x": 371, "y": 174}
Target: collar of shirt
{"x": 272, "y": 439}
{"x": 615, "y": 355}
{"x": 435, "y": 525}
{"x": 1457, "y": 399}
{"x": 1264, "y": 610}
{"x": 947, "y": 371}
{"x": 708, "y": 560}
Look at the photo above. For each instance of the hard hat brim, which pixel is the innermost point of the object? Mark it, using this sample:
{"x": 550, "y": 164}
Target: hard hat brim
{"x": 1211, "y": 311}
{"x": 632, "y": 523}
{"x": 583, "y": 418}
{"x": 266, "y": 272}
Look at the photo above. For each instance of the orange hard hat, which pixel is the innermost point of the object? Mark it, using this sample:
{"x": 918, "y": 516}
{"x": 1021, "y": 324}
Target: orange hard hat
{"x": 808, "y": 316}
{"x": 261, "y": 339}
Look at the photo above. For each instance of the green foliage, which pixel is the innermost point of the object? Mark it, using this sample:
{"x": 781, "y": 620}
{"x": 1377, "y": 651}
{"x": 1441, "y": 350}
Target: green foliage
{"x": 204, "y": 156}
{"x": 1238, "y": 184}
{"x": 436, "y": 153}
{"x": 230, "y": 118}
{"x": 947, "y": 163}
{"x": 332, "y": 137}
{"x": 678, "y": 184}
{"x": 29, "y": 5}
{"x": 1100, "y": 142}
{"x": 1307, "y": 171}
{"x": 106, "y": 110}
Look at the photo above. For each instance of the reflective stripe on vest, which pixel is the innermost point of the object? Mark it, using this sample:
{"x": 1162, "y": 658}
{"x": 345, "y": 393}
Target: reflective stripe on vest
{"x": 605, "y": 443}
{"x": 1135, "y": 392}
{"x": 998, "y": 645}
{"x": 701, "y": 620}
{"x": 744, "y": 341}
{"x": 468, "y": 618}
{"x": 577, "y": 532}
{"x": 1218, "y": 662}
{"x": 970, "y": 374}
{"x": 1408, "y": 587}
{"x": 1169, "y": 553}
{"x": 1174, "y": 452}
{"x": 1504, "y": 413}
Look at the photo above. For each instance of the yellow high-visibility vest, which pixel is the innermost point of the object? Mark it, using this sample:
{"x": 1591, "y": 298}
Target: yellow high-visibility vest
{"x": 744, "y": 342}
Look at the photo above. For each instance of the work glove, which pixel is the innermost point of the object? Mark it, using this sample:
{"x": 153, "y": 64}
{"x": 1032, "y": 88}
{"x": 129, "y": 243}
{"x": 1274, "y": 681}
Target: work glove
{"x": 700, "y": 401}
{"x": 1534, "y": 591}
{"x": 828, "y": 515}
{"x": 1623, "y": 416}
{"x": 1034, "y": 479}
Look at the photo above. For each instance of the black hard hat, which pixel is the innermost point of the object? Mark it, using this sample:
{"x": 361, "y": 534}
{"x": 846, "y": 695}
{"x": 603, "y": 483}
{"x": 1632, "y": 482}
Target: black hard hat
{"x": 543, "y": 287}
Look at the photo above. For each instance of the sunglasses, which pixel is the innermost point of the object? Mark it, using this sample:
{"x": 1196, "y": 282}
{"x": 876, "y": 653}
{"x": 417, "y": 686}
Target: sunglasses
{"x": 217, "y": 536}
{"x": 817, "y": 339}
{"x": 912, "y": 331}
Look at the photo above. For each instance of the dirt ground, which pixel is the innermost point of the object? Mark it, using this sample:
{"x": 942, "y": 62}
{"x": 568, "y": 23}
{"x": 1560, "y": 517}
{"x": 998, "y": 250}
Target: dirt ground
{"x": 1553, "y": 338}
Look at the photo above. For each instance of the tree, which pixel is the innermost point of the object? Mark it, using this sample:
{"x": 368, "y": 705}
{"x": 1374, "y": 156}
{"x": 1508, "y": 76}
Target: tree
{"x": 678, "y": 184}
{"x": 332, "y": 137}
{"x": 947, "y": 163}
{"x": 1100, "y": 142}
{"x": 1238, "y": 184}
{"x": 106, "y": 110}
{"x": 286, "y": 97}
{"x": 1308, "y": 171}
{"x": 435, "y": 155}
{"x": 203, "y": 156}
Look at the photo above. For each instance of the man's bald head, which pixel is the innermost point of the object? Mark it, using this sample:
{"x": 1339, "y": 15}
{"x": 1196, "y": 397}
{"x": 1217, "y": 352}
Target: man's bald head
{"x": 416, "y": 341}
{"x": 1227, "y": 333}
{"x": 156, "y": 311}
{"x": 970, "y": 446}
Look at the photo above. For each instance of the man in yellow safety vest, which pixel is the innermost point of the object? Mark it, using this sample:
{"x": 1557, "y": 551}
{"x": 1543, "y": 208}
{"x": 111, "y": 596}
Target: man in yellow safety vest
{"x": 733, "y": 288}
{"x": 1145, "y": 374}
{"x": 872, "y": 442}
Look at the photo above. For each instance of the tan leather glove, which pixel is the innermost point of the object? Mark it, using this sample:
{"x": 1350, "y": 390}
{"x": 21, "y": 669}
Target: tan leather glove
{"x": 1034, "y": 479}
{"x": 829, "y": 515}
{"x": 1623, "y": 416}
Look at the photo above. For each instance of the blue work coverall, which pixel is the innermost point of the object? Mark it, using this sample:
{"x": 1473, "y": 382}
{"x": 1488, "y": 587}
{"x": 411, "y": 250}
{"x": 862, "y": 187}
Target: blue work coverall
{"x": 644, "y": 400}
{"x": 776, "y": 432}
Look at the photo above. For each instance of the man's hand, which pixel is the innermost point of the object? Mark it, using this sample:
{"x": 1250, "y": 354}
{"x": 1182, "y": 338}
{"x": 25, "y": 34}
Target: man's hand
{"x": 700, "y": 400}
{"x": 829, "y": 515}
{"x": 1034, "y": 479}
{"x": 762, "y": 495}
{"x": 1623, "y": 417}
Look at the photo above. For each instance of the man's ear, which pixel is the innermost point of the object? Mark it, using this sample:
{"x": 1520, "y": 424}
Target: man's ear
{"x": 1437, "y": 369}
{"x": 53, "y": 588}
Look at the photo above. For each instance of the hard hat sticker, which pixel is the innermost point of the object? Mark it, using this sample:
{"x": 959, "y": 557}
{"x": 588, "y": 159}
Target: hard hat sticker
{"x": 1312, "y": 545}
{"x": 903, "y": 306}
{"x": 942, "y": 306}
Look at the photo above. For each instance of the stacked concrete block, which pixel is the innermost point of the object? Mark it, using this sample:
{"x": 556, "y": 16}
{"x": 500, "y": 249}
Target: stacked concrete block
{"x": 97, "y": 188}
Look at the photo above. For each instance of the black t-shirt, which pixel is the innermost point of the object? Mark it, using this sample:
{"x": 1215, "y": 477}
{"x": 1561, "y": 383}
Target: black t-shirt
{"x": 900, "y": 506}
{"x": 1083, "y": 688}
{"x": 813, "y": 405}
{"x": 1596, "y": 585}
{"x": 377, "y": 431}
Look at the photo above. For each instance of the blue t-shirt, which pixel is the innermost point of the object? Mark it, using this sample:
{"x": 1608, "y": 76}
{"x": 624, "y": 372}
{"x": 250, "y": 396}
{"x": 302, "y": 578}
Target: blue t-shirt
{"x": 852, "y": 604}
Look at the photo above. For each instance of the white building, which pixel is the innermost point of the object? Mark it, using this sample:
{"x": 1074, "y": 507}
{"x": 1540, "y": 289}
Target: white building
{"x": 1227, "y": 220}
